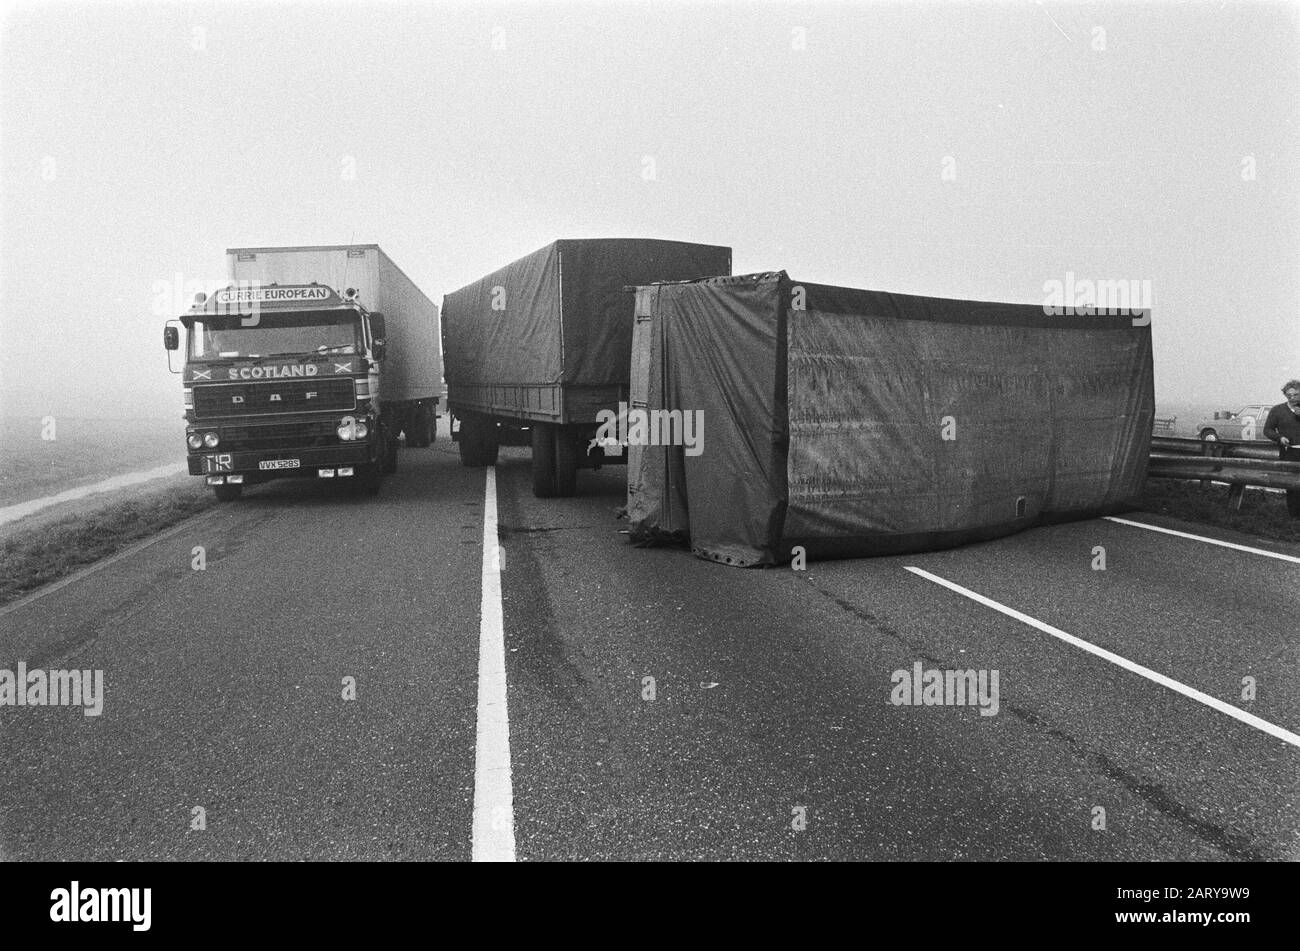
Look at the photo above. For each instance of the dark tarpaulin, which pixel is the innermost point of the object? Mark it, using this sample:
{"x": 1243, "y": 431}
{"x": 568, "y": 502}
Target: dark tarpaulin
{"x": 1050, "y": 417}
{"x": 563, "y": 314}
{"x": 596, "y": 275}
{"x": 505, "y": 328}
{"x": 656, "y": 475}
{"x": 719, "y": 345}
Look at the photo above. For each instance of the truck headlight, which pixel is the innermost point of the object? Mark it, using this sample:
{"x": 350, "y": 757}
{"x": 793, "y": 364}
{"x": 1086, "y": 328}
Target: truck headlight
{"x": 194, "y": 440}
{"x": 350, "y": 429}
{"x": 210, "y": 440}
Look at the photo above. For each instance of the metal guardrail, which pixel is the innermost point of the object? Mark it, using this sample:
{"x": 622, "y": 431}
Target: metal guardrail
{"x": 1165, "y": 424}
{"x": 1232, "y": 448}
{"x": 1237, "y": 462}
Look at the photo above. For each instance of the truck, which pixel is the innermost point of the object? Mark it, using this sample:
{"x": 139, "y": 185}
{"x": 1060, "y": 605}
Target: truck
{"x": 537, "y": 350}
{"x": 312, "y": 363}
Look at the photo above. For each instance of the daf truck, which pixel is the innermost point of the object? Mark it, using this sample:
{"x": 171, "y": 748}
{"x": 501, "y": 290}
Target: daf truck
{"x": 313, "y": 362}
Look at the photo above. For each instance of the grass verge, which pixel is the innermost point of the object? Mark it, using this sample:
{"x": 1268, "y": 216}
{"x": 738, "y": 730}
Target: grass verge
{"x": 46, "y": 552}
{"x": 1262, "y": 514}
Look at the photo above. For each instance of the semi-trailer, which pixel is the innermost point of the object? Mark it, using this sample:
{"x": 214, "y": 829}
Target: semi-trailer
{"x": 537, "y": 349}
{"x": 844, "y": 422}
{"x": 311, "y": 363}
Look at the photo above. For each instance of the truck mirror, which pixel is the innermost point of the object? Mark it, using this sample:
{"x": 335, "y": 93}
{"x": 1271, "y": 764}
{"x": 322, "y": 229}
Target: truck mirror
{"x": 171, "y": 338}
{"x": 378, "y": 348}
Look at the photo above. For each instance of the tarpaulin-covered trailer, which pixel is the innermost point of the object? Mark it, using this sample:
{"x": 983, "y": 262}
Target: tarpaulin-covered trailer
{"x": 542, "y": 345}
{"x": 854, "y": 422}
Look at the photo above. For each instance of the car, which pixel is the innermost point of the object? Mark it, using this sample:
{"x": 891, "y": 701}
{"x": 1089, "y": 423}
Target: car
{"x": 1245, "y": 423}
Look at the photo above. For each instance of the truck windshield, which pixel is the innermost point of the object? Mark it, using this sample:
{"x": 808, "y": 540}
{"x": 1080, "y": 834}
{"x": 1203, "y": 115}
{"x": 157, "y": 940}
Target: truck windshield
{"x": 274, "y": 335}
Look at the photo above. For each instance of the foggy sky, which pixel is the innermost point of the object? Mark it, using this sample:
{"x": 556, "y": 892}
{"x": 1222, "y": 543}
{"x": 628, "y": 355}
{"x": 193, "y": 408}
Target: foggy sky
{"x": 1118, "y": 142}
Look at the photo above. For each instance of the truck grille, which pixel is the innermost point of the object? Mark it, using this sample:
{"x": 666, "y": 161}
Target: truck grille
{"x": 216, "y": 400}
{"x": 279, "y": 436}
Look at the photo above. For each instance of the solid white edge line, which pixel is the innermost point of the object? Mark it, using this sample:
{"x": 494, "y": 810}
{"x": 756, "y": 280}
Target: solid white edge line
{"x": 21, "y": 510}
{"x": 493, "y": 836}
{"x": 1202, "y": 538}
{"x": 1213, "y": 702}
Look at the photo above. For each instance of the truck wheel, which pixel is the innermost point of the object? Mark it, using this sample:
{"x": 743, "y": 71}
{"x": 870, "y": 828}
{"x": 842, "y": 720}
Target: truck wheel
{"x": 473, "y": 443}
{"x": 389, "y": 456}
{"x": 228, "y": 493}
{"x": 478, "y": 445}
{"x": 417, "y": 428}
{"x": 425, "y": 426}
{"x": 465, "y": 443}
{"x": 543, "y": 460}
{"x": 1209, "y": 435}
{"x": 566, "y": 462}
{"x": 369, "y": 478}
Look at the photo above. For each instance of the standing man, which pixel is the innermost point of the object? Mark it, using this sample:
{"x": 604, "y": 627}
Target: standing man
{"x": 1283, "y": 427}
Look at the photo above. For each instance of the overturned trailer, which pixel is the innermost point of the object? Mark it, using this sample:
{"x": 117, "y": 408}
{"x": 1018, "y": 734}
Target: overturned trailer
{"x": 852, "y": 422}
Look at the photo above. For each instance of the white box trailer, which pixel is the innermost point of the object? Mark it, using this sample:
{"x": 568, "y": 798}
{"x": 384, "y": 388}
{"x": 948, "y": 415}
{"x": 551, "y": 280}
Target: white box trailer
{"x": 413, "y": 368}
{"x": 343, "y": 360}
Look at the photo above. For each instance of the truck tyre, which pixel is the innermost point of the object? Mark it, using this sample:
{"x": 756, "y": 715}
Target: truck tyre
{"x": 1209, "y": 435}
{"x": 416, "y": 427}
{"x": 389, "y": 456}
{"x": 369, "y": 477}
{"x": 464, "y": 443}
{"x": 566, "y": 462}
{"x": 478, "y": 442}
{"x": 543, "y": 460}
{"x": 424, "y": 426}
{"x": 228, "y": 493}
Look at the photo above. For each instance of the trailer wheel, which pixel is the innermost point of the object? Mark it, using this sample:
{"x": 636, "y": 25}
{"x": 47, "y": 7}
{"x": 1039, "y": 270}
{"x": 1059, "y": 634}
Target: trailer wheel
{"x": 418, "y": 433}
{"x": 465, "y": 442}
{"x": 389, "y": 455}
{"x": 227, "y": 493}
{"x": 544, "y": 486}
{"x": 566, "y": 462}
{"x": 369, "y": 478}
{"x": 478, "y": 442}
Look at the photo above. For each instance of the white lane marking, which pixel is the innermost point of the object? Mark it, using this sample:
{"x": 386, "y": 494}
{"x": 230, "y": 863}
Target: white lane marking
{"x": 1213, "y": 702}
{"x": 106, "y": 562}
{"x": 494, "y": 815}
{"x": 1202, "y": 538}
{"x": 12, "y": 513}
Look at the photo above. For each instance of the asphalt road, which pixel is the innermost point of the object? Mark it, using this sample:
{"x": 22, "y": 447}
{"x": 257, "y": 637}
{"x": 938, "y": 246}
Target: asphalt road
{"x": 766, "y": 732}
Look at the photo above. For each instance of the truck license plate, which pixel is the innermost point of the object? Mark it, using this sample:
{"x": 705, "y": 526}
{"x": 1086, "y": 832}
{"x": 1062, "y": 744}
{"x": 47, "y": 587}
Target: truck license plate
{"x": 278, "y": 464}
